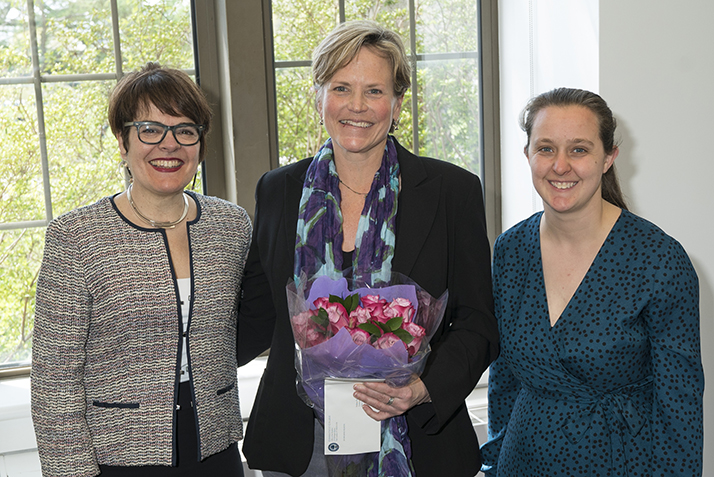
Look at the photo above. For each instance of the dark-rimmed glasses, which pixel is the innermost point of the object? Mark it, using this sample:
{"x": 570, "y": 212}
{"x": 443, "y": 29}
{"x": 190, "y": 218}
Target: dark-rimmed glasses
{"x": 151, "y": 132}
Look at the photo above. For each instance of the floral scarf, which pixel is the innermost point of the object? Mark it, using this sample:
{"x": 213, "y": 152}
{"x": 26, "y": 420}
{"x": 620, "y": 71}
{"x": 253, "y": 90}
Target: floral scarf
{"x": 318, "y": 242}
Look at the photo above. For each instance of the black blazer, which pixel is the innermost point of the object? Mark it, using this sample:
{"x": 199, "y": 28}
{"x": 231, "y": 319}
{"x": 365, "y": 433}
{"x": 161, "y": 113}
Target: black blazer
{"x": 441, "y": 244}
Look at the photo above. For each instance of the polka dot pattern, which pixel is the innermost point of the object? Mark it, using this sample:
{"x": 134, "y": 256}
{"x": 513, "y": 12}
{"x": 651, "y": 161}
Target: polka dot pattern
{"x": 615, "y": 387}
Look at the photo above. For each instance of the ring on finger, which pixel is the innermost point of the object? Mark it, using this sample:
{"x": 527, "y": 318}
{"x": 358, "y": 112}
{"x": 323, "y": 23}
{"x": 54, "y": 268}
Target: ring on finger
{"x": 391, "y": 401}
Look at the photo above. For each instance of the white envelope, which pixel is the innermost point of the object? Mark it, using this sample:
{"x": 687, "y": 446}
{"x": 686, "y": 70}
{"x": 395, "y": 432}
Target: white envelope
{"x": 348, "y": 429}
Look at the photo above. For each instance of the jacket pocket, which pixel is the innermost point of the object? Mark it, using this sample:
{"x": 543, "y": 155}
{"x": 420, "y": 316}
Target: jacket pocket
{"x": 119, "y": 405}
{"x": 226, "y": 389}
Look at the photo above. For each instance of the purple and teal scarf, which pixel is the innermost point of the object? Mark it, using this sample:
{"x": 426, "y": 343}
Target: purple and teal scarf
{"x": 318, "y": 243}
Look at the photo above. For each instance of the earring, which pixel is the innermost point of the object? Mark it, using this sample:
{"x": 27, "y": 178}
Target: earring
{"x": 125, "y": 165}
{"x": 395, "y": 124}
{"x": 322, "y": 122}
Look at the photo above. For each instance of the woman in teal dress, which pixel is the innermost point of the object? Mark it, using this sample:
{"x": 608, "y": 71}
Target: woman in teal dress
{"x": 600, "y": 369}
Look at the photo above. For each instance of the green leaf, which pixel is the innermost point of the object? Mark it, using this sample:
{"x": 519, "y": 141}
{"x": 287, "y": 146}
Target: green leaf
{"x": 404, "y": 335}
{"x": 371, "y": 328}
{"x": 321, "y": 318}
{"x": 384, "y": 326}
{"x": 395, "y": 323}
{"x": 350, "y": 303}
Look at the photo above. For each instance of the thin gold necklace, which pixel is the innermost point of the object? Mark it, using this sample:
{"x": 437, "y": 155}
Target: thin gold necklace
{"x": 161, "y": 225}
{"x": 363, "y": 194}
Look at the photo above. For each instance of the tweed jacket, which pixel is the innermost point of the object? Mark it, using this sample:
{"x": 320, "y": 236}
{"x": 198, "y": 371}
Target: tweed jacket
{"x": 107, "y": 340}
{"x": 441, "y": 244}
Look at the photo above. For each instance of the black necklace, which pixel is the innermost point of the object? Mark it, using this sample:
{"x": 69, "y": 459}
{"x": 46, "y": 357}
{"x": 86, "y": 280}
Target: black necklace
{"x": 363, "y": 194}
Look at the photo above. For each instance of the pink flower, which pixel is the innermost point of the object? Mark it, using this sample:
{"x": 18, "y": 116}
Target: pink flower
{"x": 315, "y": 337}
{"x": 400, "y": 307}
{"x": 359, "y": 336}
{"x": 418, "y": 333}
{"x": 359, "y": 315}
{"x": 302, "y": 323}
{"x": 375, "y": 306}
{"x": 387, "y": 340}
{"x": 373, "y": 303}
{"x": 336, "y": 313}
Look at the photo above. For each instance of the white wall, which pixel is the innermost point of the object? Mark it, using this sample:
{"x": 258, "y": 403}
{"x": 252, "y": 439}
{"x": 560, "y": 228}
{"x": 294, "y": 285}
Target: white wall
{"x": 656, "y": 70}
{"x": 542, "y": 45}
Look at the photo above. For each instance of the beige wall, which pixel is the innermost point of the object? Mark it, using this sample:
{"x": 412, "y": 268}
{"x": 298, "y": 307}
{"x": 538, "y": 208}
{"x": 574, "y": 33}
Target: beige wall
{"x": 656, "y": 69}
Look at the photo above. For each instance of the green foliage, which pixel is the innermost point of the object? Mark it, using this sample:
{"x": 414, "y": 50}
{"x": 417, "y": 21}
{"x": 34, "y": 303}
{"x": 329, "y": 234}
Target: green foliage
{"x": 73, "y": 37}
{"x": 350, "y": 303}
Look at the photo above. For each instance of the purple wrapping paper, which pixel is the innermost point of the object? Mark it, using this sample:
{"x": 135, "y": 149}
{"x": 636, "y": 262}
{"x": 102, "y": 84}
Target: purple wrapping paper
{"x": 340, "y": 357}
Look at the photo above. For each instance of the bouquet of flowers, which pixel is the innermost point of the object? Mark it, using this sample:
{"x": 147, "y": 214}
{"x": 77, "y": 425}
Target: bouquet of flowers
{"x": 344, "y": 330}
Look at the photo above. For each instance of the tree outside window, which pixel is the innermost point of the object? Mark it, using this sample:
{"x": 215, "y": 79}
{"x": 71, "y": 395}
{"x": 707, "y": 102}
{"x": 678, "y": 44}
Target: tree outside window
{"x": 57, "y": 151}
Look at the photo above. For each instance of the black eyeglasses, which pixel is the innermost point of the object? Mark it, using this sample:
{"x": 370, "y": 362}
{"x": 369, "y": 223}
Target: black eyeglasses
{"x": 151, "y": 132}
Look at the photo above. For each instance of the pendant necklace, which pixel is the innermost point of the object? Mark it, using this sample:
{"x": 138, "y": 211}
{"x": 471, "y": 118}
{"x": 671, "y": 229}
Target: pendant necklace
{"x": 161, "y": 225}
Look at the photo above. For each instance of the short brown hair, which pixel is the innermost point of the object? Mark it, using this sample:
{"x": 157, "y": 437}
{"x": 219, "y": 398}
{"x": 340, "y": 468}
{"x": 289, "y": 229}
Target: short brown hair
{"x": 607, "y": 124}
{"x": 344, "y": 43}
{"x": 172, "y": 92}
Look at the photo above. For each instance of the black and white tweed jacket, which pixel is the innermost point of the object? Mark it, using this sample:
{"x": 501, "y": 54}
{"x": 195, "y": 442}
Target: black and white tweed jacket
{"x": 106, "y": 344}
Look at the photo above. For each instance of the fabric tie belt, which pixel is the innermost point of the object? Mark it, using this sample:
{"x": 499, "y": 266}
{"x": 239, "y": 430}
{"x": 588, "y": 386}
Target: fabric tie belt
{"x": 607, "y": 416}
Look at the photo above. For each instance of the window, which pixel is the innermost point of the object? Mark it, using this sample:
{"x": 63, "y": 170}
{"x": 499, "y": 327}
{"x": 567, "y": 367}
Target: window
{"x": 59, "y": 59}
{"x": 442, "y": 41}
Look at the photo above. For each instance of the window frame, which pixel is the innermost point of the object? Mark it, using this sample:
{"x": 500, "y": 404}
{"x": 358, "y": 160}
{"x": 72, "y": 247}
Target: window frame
{"x": 37, "y": 80}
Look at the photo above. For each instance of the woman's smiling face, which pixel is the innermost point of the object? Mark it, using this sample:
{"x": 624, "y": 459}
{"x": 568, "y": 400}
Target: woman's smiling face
{"x": 160, "y": 169}
{"x": 567, "y": 158}
{"x": 358, "y": 106}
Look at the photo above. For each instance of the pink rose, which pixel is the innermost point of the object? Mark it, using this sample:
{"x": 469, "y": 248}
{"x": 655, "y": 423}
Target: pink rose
{"x": 387, "y": 340}
{"x": 302, "y": 322}
{"x": 359, "y": 315}
{"x": 400, "y": 307}
{"x": 336, "y": 313}
{"x": 418, "y": 333}
{"x": 315, "y": 337}
{"x": 373, "y": 302}
{"x": 375, "y": 306}
{"x": 359, "y": 336}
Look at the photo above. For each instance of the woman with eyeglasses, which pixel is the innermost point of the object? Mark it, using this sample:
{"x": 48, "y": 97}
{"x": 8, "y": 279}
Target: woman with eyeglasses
{"x": 134, "y": 353}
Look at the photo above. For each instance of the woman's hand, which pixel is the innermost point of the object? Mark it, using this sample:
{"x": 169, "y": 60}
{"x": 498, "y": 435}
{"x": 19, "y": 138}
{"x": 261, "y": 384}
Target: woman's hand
{"x": 382, "y": 401}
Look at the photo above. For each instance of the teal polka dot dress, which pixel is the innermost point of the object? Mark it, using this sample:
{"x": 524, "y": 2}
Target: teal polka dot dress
{"x": 615, "y": 387}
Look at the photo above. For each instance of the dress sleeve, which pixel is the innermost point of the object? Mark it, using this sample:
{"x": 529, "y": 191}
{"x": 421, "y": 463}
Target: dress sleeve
{"x": 470, "y": 343}
{"x": 672, "y": 320}
{"x": 503, "y": 385}
{"x": 256, "y": 316}
{"x": 62, "y": 318}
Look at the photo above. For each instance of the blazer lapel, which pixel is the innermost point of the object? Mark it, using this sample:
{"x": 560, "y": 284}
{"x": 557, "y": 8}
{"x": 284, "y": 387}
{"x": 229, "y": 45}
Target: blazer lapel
{"x": 418, "y": 205}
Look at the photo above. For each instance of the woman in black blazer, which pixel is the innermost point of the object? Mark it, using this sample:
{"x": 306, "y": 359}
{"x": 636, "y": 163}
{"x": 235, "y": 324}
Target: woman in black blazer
{"x": 440, "y": 243}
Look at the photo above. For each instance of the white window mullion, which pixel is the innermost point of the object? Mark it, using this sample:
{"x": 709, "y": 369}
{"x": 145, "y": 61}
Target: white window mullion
{"x": 117, "y": 40}
{"x": 40, "y": 111}
{"x": 415, "y": 84}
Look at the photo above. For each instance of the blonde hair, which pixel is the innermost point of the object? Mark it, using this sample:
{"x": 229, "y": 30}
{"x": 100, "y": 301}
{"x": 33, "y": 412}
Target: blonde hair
{"x": 344, "y": 43}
